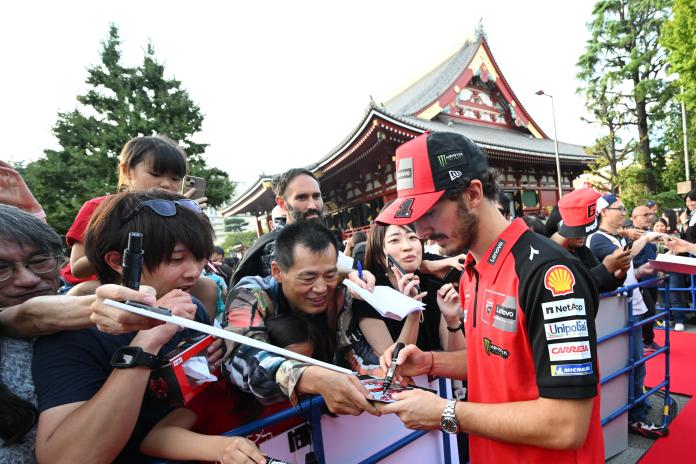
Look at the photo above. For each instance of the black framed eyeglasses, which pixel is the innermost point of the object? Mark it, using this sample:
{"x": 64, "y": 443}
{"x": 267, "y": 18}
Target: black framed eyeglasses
{"x": 166, "y": 208}
{"x": 39, "y": 264}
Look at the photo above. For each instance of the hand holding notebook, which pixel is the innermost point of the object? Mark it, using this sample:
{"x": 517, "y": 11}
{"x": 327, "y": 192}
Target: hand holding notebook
{"x": 387, "y": 301}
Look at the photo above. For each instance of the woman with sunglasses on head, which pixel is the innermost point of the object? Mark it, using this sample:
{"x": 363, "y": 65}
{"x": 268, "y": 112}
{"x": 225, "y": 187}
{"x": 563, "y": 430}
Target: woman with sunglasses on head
{"x": 437, "y": 327}
{"x": 146, "y": 162}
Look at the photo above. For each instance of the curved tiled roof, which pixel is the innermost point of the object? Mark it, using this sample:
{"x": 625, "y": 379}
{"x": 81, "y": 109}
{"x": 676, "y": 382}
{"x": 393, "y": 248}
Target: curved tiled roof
{"x": 432, "y": 85}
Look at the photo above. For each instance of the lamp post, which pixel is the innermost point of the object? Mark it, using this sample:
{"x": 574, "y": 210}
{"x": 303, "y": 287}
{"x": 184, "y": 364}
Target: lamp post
{"x": 555, "y": 141}
{"x": 686, "y": 137}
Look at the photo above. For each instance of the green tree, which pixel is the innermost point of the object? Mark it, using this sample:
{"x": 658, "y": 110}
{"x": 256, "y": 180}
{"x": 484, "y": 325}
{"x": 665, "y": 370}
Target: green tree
{"x": 679, "y": 38}
{"x": 242, "y": 238}
{"x": 234, "y": 224}
{"x": 122, "y": 102}
{"x": 624, "y": 57}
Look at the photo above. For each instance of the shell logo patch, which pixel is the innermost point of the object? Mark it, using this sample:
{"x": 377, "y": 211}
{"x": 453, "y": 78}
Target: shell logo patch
{"x": 559, "y": 280}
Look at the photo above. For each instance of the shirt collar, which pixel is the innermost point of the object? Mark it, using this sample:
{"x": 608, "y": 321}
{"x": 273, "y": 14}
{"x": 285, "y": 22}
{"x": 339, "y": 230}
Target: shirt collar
{"x": 494, "y": 257}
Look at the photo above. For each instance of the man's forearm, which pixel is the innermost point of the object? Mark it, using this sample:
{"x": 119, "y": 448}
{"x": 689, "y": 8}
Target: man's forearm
{"x": 46, "y": 314}
{"x": 450, "y": 364}
{"x": 547, "y": 423}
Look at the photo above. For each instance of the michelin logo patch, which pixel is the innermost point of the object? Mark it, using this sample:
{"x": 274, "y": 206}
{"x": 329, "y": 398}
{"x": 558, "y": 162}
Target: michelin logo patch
{"x": 563, "y": 308}
{"x": 559, "y": 370}
{"x": 566, "y": 329}
{"x": 569, "y": 351}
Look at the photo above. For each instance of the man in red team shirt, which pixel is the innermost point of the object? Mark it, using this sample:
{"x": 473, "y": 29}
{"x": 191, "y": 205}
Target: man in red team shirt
{"x": 529, "y": 309}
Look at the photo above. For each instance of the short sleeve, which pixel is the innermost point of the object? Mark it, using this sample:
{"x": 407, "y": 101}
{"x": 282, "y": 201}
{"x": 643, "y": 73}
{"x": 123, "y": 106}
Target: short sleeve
{"x": 77, "y": 230}
{"x": 68, "y": 367}
{"x": 560, "y": 303}
{"x": 601, "y": 246}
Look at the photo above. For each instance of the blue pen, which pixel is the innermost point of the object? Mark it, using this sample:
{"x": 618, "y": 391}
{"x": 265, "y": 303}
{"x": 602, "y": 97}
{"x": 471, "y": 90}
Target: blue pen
{"x": 359, "y": 270}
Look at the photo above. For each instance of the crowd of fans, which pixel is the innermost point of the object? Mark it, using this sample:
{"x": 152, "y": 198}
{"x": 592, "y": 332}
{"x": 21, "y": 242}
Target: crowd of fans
{"x": 62, "y": 400}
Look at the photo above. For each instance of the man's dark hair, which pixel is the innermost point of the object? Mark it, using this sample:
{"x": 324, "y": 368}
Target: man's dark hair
{"x": 25, "y": 230}
{"x": 106, "y": 232}
{"x": 691, "y": 195}
{"x": 552, "y": 221}
{"x": 219, "y": 251}
{"x": 488, "y": 181}
{"x": 315, "y": 237}
{"x": 280, "y": 182}
{"x": 535, "y": 224}
{"x": 288, "y": 329}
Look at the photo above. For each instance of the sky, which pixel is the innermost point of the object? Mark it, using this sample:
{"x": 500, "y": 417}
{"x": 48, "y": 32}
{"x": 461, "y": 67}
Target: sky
{"x": 282, "y": 83}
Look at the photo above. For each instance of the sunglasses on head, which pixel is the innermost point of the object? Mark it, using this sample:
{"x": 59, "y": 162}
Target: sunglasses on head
{"x": 164, "y": 208}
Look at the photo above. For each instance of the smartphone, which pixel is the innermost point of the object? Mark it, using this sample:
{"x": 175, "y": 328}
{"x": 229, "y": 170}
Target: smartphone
{"x": 193, "y": 182}
{"x": 628, "y": 246}
{"x": 392, "y": 262}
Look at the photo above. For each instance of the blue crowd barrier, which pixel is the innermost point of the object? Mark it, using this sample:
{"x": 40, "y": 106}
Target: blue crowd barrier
{"x": 635, "y": 323}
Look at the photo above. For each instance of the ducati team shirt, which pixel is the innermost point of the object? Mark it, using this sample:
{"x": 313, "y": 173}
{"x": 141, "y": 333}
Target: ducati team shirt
{"x": 529, "y": 309}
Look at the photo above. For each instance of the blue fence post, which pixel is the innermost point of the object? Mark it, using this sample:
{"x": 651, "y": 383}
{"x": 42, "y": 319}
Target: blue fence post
{"x": 317, "y": 436}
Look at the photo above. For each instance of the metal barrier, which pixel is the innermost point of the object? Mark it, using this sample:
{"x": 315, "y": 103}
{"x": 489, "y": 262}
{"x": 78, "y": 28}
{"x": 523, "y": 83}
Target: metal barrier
{"x": 635, "y": 324}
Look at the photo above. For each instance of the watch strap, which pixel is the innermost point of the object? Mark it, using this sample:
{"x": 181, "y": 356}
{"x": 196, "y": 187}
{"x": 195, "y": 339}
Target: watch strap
{"x": 457, "y": 328}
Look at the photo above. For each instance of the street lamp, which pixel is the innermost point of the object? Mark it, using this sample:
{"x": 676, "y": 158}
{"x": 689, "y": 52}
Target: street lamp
{"x": 555, "y": 141}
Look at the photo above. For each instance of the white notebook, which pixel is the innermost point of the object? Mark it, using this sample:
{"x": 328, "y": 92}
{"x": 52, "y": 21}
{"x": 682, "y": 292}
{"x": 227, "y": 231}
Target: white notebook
{"x": 387, "y": 301}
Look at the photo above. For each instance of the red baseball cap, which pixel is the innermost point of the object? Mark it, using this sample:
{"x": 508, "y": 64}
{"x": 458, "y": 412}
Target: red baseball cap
{"x": 578, "y": 213}
{"x": 427, "y": 166}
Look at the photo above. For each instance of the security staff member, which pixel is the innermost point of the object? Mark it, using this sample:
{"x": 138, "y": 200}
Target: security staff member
{"x": 529, "y": 306}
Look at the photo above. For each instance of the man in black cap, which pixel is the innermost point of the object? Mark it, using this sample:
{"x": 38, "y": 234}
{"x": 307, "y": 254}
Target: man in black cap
{"x": 529, "y": 309}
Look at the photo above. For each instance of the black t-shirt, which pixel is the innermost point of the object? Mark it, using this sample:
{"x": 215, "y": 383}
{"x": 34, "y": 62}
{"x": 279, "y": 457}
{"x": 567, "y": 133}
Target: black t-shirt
{"x": 70, "y": 367}
{"x": 428, "y": 332}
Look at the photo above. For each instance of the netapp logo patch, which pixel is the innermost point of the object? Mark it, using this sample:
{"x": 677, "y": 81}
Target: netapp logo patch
{"x": 496, "y": 251}
{"x": 563, "y": 308}
{"x": 571, "y": 369}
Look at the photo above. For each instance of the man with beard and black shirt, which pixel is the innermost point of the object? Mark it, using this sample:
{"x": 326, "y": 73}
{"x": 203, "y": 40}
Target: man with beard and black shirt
{"x": 298, "y": 194}
{"x": 578, "y": 220}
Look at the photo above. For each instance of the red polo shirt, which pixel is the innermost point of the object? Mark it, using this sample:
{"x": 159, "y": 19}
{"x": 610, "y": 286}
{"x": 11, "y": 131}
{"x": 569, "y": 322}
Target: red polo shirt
{"x": 530, "y": 308}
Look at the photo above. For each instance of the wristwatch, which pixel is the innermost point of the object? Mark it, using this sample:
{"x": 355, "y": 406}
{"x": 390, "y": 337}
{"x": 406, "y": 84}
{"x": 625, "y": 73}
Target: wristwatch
{"x": 134, "y": 356}
{"x": 448, "y": 421}
{"x": 457, "y": 328}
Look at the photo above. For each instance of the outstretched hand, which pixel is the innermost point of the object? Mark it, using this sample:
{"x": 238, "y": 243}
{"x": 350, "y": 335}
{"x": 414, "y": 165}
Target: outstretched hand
{"x": 15, "y": 192}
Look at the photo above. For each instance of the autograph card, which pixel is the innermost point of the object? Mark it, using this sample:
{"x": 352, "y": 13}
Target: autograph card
{"x": 375, "y": 386}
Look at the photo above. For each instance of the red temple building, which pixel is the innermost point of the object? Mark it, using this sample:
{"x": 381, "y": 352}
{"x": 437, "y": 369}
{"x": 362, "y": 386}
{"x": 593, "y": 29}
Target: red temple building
{"x": 467, "y": 93}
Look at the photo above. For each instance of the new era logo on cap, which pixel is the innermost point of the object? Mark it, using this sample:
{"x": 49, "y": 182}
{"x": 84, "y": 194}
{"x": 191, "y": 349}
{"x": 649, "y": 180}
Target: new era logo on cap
{"x": 425, "y": 167}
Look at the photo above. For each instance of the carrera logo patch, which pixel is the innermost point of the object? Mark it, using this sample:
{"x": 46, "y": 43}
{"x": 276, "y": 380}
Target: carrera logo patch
{"x": 559, "y": 280}
{"x": 405, "y": 209}
{"x": 492, "y": 349}
{"x": 569, "y": 351}
{"x": 563, "y": 308}
{"x": 566, "y": 329}
{"x": 571, "y": 369}
{"x": 496, "y": 251}
{"x": 404, "y": 174}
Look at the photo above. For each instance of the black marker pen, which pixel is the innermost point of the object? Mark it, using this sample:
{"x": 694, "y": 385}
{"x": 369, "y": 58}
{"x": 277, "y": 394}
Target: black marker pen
{"x": 133, "y": 261}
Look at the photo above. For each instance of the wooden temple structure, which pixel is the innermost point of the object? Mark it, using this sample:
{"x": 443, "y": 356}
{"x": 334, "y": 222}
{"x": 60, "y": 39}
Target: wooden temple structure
{"x": 467, "y": 93}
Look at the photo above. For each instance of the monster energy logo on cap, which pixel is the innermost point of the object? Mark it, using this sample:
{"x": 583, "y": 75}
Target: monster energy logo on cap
{"x": 445, "y": 160}
{"x": 490, "y": 349}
